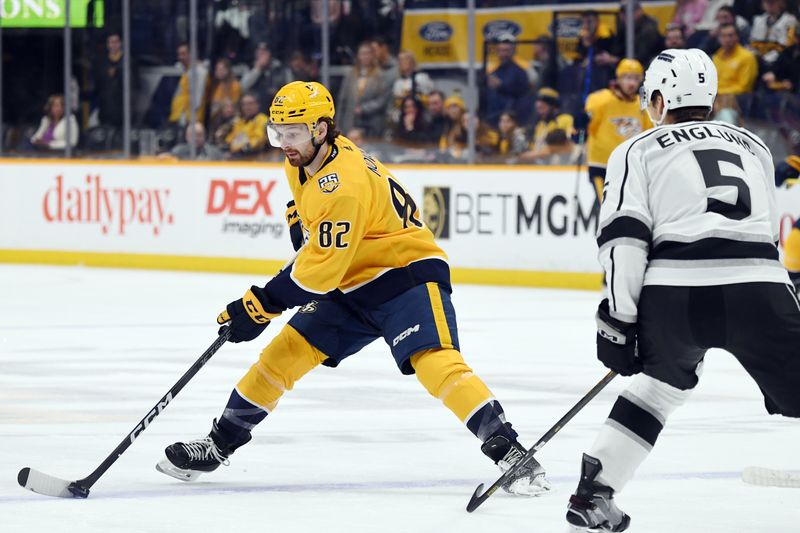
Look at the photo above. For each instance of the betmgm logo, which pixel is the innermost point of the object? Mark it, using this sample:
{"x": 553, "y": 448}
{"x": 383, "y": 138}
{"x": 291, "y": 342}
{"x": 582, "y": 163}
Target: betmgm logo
{"x": 436, "y": 210}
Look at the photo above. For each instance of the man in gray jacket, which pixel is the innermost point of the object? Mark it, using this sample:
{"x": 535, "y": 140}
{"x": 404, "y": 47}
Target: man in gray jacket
{"x": 267, "y": 75}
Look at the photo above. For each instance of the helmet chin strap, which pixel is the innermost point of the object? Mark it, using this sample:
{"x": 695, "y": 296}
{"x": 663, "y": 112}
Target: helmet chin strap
{"x": 660, "y": 120}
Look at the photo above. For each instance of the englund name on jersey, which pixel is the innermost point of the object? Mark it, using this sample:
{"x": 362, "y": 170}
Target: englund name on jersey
{"x": 700, "y": 132}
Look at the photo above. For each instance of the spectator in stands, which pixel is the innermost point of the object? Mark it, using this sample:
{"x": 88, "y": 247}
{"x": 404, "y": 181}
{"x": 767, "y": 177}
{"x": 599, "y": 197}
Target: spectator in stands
{"x": 673, "y": 37}
{"x": 646, "y": 35}
{"x": 689, "y": 13}
{"x": 224, "y": 88}
{"x": 410, "y": 81}
{"x": 543, "y": 65}
{"x": 266, "y": 77}
{"x": 52, "y": 131}
{"x": 363, "y": 95}
{"x": 784, "y": 73}
{"x": 486, "y": 139}
{"x": 222, "y": 123}
{"x": 512, "y": 140}
{"x": 436, "y": 117}
{"x": 203, "y": 150}
{"x": 180, "y": 110}
{"x": 302, "y": 68}
{"x": 557, "y": 149}
{"x": 357, "y": 136}
{"x": 548, "y": 117}
{"x": 737, "y": 67}
{"x": 772, "y": 32}
{"x": 705, "y": 31}
{"x": 108, "y": 83}
{"x": 597, "y": 51}
{"x": 454, "y": 109}
{"x": 412, "y": 127}
{"x": 725, "y": 15}
{"x": 726, "y": 109}
{"x": 386, "y": 60}
{"x": 507, "y": 85}
{"x": 248, "y": 135}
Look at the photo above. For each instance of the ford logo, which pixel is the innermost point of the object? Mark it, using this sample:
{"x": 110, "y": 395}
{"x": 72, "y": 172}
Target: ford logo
{"x": 569, "y": 27}
{"x": 496, "y": 28}
{"x": 436, "y": 31}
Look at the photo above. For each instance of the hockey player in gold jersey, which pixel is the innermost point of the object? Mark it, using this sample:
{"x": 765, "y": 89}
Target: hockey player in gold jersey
{"x": 788, "y": 171}
{"x": 614, "y": 116}
{"x": 367, "y": 267}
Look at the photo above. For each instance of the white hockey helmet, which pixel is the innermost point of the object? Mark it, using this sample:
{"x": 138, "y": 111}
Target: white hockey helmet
{"x": 685, "y": 78}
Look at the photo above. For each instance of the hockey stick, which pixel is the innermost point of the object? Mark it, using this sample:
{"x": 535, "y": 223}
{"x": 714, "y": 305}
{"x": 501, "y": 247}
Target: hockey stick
{"x": 42, "y": 483}
{"x": 767, "y": 477}
{"x": 478, "y": 498}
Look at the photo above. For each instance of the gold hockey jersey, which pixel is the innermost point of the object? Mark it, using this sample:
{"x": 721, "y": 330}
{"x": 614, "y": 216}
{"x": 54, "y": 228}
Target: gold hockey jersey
{"x": 612, "y": 121}
{"x": 364, "y": 234}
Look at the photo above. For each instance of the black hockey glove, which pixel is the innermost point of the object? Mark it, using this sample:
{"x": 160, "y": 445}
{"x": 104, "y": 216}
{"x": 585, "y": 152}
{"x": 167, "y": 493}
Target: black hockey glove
{"x": 248, "y": 316}
{"x": 616, "y": 343}
{"x": 295, "y": 225}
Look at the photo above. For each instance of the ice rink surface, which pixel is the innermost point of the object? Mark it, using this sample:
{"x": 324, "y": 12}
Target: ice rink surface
{"x": 85, "y": 353}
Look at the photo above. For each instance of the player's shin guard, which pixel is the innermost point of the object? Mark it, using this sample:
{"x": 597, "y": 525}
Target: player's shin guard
{"x": 446, "y": 376}
{"x": 284, "y": 361}
{"x": 632, "y": 428}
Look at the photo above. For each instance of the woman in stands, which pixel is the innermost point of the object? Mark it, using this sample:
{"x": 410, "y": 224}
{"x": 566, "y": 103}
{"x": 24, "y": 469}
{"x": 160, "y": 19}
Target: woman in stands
{"x": 52, "y": 132}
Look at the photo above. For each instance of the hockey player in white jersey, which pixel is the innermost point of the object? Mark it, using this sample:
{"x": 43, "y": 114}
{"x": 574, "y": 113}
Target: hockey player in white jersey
{"x": 687, "y": 237}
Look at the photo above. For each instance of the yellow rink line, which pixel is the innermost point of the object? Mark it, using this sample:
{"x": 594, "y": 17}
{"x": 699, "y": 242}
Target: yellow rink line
{"x": 480, "y": 276}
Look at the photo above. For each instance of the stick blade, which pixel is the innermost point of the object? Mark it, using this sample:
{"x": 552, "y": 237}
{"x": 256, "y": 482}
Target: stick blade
{"x": 41, "y": 483}
{"x": 767, "y": 477}
{"x": 476, "y": 500}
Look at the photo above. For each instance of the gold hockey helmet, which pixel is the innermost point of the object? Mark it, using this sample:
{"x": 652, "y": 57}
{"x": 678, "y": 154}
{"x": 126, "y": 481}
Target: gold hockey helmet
{"x": 629, "y": 66}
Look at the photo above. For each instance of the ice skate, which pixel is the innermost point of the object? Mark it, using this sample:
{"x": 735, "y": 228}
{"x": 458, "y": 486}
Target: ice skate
{"x": 530, "y": 480}
{"x": 186, "y": 461}
{"x": 592, "y": 507}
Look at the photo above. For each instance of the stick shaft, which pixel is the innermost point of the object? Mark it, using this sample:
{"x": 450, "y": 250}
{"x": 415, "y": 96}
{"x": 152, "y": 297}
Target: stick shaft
{"x": 477, "y": 499}
{"x": 143, "y": 424}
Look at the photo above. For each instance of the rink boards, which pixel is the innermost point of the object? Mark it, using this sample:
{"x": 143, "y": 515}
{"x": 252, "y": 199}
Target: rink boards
{"x": 529, "y": 226}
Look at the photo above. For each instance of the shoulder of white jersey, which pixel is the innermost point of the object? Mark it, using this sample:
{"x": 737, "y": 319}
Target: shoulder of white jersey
{"x": 759, "y": 143}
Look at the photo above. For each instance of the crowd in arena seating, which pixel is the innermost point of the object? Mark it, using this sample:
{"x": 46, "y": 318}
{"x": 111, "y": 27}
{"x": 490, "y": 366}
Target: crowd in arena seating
{"x": 398, "y": 110}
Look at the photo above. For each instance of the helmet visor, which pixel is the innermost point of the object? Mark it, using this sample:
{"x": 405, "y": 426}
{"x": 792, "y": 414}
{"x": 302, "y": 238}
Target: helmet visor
{"x": 286, "y": 135}
{"x": 642, "y": 98}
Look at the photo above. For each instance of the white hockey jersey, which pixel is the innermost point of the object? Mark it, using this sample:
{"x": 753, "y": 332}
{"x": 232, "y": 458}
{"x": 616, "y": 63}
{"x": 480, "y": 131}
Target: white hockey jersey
{"x": 685, "y": 205}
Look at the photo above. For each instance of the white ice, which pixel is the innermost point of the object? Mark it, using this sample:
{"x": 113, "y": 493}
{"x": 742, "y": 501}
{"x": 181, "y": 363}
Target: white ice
{"x": 85, "y": 353}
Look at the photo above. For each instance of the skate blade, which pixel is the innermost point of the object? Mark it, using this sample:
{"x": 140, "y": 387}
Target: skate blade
{"x": 165, "y": 467}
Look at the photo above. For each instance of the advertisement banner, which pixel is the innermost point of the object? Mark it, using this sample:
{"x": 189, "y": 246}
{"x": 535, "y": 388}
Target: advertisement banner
{"x": 497, "y": 224}
{"x": 223, "y": 211}
{"x": 436, "y": 32}
{"x": 504, "y": 218}
{"x": 50, "y": 13}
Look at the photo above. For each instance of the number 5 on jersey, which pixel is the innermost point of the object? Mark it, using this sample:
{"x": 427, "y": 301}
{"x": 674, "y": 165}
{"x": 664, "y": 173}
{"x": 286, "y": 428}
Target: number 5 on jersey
{"x": 331, "y": 233}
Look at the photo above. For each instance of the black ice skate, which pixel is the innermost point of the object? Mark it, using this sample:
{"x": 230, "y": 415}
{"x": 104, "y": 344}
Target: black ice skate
{"x": 186, "y": 461}
{"x": 592, "y": 507}
{"x": 529, "y": 480}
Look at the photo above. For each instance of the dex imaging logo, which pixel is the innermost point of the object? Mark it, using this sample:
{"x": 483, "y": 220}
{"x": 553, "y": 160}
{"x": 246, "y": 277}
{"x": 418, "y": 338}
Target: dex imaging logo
{"x": 436, "y": 211}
